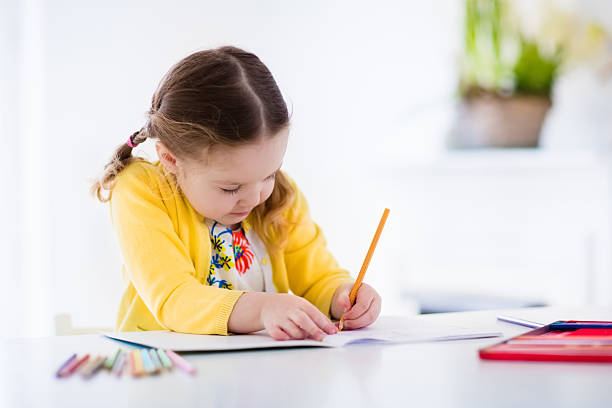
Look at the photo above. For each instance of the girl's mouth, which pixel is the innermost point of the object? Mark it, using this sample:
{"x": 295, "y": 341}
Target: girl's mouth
{"x": 241, "y": 214}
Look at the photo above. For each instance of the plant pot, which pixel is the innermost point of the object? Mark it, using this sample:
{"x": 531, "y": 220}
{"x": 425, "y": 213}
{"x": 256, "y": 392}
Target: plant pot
{"x": 489, "y": 120}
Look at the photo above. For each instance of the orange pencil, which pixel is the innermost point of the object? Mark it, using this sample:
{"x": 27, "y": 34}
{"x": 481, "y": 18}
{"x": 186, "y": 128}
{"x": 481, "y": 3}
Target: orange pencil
{"x": 366, "y": 262}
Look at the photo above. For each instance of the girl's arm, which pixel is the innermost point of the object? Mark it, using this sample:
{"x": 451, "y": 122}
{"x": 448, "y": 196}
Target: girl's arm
{"x": 157, "y": 262}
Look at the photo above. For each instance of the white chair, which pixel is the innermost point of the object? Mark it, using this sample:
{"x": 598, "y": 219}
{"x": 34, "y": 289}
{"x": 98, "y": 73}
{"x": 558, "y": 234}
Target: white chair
{"x": 63, "y": 327}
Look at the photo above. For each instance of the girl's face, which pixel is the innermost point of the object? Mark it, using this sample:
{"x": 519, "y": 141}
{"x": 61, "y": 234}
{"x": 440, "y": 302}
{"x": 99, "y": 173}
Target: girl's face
{"x": 227, "y": 184}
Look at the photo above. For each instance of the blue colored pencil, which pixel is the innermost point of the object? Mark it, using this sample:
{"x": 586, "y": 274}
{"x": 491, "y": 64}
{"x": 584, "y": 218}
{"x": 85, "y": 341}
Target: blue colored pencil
{"x": 155, "y": 359}
{"x": 573, "y": 325}
{"x": 146, "y": 360}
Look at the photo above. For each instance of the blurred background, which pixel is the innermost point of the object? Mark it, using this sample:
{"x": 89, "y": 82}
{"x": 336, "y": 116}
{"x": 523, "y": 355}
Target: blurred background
{"x": 484, "y": 125}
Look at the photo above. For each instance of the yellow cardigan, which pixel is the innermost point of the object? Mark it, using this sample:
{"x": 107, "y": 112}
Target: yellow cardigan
{"x": 166, "y": 257}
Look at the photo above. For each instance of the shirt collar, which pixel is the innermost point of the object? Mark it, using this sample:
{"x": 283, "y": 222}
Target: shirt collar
{"x": 246, "y": 223}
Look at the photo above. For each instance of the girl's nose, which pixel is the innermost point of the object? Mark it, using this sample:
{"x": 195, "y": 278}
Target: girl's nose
{"x": 251, "y": 199}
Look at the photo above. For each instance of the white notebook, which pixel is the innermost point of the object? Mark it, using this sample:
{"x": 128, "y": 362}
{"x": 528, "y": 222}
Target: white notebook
{"x": 386, "y": 329}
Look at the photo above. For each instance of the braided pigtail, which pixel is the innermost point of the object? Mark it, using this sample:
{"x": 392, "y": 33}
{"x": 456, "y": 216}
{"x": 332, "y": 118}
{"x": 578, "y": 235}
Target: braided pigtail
{"x": 120, "y": 160}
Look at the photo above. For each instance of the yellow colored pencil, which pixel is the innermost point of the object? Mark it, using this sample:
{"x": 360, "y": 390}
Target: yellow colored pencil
{"x": 366, "y": 262}
{"x": 138, "y": 365}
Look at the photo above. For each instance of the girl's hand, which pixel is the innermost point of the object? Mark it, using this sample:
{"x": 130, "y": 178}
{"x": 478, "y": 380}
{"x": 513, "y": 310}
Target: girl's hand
{"x": 364, "y": 312}
{"x": 287, "y": 316}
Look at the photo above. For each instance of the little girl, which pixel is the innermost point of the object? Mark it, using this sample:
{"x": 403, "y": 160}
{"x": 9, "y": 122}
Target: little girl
{"x": 214, "y": 235}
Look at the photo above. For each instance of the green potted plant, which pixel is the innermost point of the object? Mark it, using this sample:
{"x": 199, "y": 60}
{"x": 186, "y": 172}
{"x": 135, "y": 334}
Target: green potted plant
{"x": 506, "y": 77}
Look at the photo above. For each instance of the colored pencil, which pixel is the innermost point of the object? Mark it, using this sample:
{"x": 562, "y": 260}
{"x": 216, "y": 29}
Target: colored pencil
{"x": 520, "y": 322}
{"x": 119, "y": 363}
{"x": 93, "y": 367}
{"x": 139, "y": 367}
{"x": 366, "y": 263}
{"x": 147, "y": 362}
{"x": 64, "y": 365}
{"x": 155, "y": 359}
{"x": 72, "y": 367}
{"x": 108, "y": 364}
{"x": 180, "y": 362}
{"x": 131, "y": 364}
{"x": 164, "y": 359}
{"x": 573, "y": 325}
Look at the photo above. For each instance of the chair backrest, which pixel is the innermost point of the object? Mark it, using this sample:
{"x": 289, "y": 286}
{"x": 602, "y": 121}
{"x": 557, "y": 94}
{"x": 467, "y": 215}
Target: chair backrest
{"x": 63, "y": 327}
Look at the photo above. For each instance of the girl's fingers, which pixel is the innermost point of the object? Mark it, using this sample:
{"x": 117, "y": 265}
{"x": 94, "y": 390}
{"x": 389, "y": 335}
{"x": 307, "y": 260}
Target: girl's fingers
{"x": 294, "y": 332}
{"x": 278, "y": 334}
{"x": 319, "y": 319}
{"x": 341, "y": 302}
{"x": 361, "y": 306}
{"x": 365, "y": 319}
{"x": 303, "y": 321}
{"x": 346, "y": 301}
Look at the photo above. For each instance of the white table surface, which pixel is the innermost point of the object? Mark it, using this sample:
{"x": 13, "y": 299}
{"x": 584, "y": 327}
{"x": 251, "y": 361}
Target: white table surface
{"x": 444, "y": 374}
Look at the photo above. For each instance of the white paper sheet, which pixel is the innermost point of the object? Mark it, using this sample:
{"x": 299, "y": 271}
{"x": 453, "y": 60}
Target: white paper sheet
{"x": 385, "y": 330}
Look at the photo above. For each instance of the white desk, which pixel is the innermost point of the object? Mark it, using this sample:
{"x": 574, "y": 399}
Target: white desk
{"x": 445, "y": 374}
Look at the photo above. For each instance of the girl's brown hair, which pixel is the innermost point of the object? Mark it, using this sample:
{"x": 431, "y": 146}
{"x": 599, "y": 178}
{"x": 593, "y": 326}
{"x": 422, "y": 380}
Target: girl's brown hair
{"x": 224, "y": 96}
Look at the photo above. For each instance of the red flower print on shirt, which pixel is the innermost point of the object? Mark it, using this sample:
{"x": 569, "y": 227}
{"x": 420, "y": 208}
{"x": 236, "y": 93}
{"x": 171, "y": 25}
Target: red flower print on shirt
{"x": 243, "y": 256}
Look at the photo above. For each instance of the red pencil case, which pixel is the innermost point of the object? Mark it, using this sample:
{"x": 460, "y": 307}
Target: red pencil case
{"x": 573, "y": 340}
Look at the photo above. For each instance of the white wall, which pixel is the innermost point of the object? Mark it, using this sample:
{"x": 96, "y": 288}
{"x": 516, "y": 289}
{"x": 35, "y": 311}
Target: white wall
{"x": 9, "y": 265}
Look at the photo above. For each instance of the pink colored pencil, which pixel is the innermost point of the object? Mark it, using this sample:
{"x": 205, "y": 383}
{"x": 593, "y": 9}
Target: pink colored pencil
{"x": 73, "y": 365}
{"x": 131, "y": 364}
{"x": 180, "y": 362}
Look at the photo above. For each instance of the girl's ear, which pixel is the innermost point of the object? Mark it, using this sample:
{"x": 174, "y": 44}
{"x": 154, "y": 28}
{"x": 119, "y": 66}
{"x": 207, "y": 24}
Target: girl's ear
{"x": 166, "y": 158}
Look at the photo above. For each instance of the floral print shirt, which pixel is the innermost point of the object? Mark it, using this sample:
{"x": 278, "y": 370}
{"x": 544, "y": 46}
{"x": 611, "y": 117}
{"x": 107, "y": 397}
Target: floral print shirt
{"x": 239, "y": 260}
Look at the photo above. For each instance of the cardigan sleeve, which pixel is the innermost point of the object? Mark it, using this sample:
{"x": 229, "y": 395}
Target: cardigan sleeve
{"x": 157, "y": 262}
{"x": 312, "y": 270}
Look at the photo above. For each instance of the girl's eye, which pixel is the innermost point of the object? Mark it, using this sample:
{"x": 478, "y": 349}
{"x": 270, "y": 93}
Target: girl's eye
{"x": 231, "y": 191}
{"x": 235, "y": 190}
